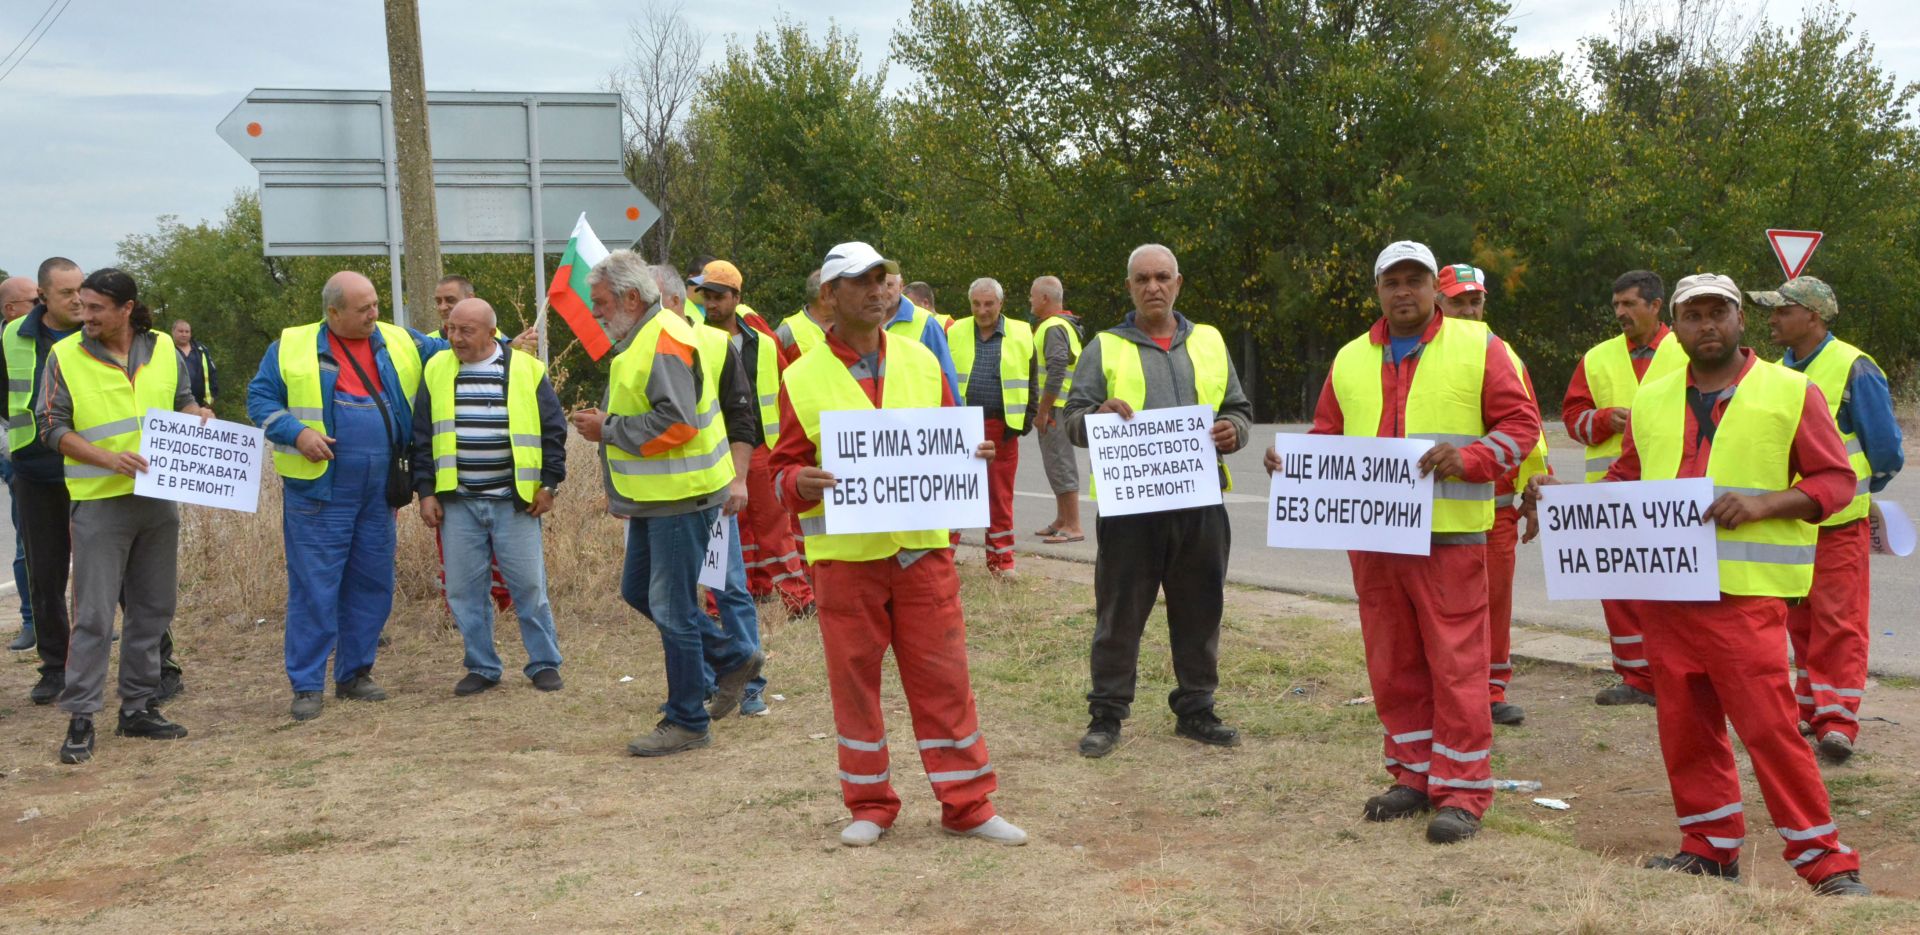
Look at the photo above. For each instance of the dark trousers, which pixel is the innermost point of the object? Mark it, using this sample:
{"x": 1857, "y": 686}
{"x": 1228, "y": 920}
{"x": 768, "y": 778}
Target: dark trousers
{"x": 1183, "y": 552}
{"x": 45, "y": 532}
{"x": 43, "y": 525}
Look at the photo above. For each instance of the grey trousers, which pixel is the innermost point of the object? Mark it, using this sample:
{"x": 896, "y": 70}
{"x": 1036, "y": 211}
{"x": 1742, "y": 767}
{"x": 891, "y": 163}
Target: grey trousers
{"x": 122, "y": 546}
{"x": 1056, "y": 454}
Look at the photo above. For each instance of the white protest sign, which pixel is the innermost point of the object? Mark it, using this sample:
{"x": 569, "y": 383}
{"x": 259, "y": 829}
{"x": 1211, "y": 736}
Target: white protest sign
{"x": 902, "y": 470}
{"x": 713, "y": 568}
{"x": 1159, "y": 460}
{"x": 217, "y": 464}
{"x": 1891, "y": 531}
{"x": 1644, "y": 540}
{"x": 1341, "y": 492}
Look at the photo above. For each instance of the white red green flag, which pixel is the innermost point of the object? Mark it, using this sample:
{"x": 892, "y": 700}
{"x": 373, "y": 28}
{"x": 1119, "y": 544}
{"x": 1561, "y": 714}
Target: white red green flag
{"x": 569, "y": 294}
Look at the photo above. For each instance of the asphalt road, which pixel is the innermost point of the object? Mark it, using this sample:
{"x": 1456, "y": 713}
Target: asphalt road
{"x": 1896, "y": 586}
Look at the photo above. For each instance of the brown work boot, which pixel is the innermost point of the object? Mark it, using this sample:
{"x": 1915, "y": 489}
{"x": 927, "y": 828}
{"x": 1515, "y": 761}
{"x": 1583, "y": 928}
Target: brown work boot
{"x": 669, "y": 738}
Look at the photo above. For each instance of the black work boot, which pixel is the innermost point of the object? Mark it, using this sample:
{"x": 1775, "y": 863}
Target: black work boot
{"x": 1623, "y": 694}
{"x": 1835, "y": 747}
{"x": 1846, "y": 883}
{"x": 1451, "y": 825}
{"x": 170, "y": 687}
{"x": 1695, "y": 864}
{"x": 359, "y": 688}
{"x": 149, "y": 723}
{"x": 78, "y": 747}
{"x": 48, "y": 688}
{"x": 1397, "y": 802}
{"x": 1508, "y": 714}
{"x": 1204, "y": 727}
{"x": 473, "y": 683}
{"x": 1103, "y": 735}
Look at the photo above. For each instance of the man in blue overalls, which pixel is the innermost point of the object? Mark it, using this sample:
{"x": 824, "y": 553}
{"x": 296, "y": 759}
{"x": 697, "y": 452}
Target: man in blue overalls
{"x": 335, "y": 400}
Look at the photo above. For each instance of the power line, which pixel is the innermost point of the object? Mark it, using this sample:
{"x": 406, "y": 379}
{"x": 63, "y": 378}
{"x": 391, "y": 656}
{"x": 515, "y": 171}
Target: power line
{"x": 36, "y": 39}
{"x": 30, "y": 29}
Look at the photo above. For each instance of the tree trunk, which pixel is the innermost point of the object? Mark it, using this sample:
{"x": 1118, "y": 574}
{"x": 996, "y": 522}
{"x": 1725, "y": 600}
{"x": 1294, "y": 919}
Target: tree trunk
{"x": 414, "y": 149}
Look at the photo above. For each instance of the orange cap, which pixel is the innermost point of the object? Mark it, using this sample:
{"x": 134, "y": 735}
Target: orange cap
{"x": 721, "y": 273}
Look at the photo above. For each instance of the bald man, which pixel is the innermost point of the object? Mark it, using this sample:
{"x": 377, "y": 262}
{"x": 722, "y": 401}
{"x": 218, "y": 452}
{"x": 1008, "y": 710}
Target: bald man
{"x": 335, "y": 398}
{"x": 17, "y": 296}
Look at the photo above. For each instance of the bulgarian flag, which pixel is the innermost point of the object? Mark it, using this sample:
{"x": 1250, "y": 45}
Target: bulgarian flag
{"x": 569, "y": 295}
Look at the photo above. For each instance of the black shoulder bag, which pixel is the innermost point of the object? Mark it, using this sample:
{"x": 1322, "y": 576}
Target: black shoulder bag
{"x": 400, "y": 466}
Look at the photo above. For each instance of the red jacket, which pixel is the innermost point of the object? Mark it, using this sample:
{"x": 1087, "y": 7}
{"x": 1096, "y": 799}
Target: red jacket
{"x": 1505, "y": 406}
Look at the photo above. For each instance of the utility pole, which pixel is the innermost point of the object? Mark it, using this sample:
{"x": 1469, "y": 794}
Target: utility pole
{"x": 414, "y": 149}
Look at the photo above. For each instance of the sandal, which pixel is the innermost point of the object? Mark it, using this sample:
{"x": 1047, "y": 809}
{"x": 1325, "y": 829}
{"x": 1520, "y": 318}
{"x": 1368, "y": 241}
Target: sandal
{"x": 1058, "y": 539}
{"x": 1049, "y": 530}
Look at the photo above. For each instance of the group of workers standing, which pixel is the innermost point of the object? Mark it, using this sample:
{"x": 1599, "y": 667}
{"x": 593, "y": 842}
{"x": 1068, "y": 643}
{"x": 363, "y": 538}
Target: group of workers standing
{"x": 712, "y": 416}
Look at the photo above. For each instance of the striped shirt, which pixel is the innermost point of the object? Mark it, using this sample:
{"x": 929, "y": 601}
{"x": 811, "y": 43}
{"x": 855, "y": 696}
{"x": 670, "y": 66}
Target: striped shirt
{"x": 482, "y": 443}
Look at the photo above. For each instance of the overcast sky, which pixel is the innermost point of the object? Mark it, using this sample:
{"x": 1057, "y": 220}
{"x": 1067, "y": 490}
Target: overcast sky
{"x": 109, "y": 122}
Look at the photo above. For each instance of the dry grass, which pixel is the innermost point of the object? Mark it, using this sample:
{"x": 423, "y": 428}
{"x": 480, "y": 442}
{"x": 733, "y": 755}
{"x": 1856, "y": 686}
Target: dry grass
{"x": 515, "y": 808}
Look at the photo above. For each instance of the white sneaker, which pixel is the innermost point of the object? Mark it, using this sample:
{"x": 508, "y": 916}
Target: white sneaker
{"x": 861, "y": 834}
{"x": 995, "y": 829}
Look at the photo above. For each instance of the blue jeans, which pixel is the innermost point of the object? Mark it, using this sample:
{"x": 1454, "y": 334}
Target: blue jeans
{"x": 739, "y": 618}
{"x": 661, "y": 580}
{"x": 474, "y": 530}
{"x": 19, "y": 553}
{"x": 340, "y": 555}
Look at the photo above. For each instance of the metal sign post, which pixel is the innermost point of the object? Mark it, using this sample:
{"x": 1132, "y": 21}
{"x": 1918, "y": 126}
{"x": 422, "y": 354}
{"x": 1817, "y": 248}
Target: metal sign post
{"x": 511, "y": 172}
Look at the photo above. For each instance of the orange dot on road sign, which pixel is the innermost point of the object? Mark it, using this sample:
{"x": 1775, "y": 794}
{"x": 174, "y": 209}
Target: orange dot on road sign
{"x": 633, "y": 213}
{"x": 253, "y": 129}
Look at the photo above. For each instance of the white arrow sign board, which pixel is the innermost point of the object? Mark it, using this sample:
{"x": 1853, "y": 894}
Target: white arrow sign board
{"x": 1793, "y": 248}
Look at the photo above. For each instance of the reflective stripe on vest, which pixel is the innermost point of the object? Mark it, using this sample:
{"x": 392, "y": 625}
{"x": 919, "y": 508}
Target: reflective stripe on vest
{"x": 107, "y": 408}
{"x": 1443, "y": 405}
{"x": 1016, "y": 356}
{"x": 1126, "y": 375}
{"x": 1040, "y": 353}
{"x": 206, "y": 373}
{"x": 695, "y": 468}
{"x": 805, "y": 333}
{"x": 1751, "y": 451}
{"x": 1609, "y": 369}
{"x": 766, "y": 384}
{"x": 300, "y": 372}
{"x": 818, "y": 382}
{"x": 21, "y": 358}
{"x": 523, "y": 420}
{"x": 1536, "y": 462}
{"x": 1830, "y": 371}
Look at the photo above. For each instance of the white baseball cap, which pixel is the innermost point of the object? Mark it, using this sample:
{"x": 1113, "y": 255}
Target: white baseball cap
{"x": 1705, "y": 284}
{"x": 851, "y": 259}
{"x": 1401, "y": 251}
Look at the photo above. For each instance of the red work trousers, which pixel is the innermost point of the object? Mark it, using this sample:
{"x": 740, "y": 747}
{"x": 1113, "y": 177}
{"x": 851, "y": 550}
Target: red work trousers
{"x": 1424, "y": 621}
{"x": 865, "y": 607}
{"x": 773, "y": 559}
{"x": 1000, "y": 472}
{"x": 1626, "y": 625}
{"x": 1721, "y": 660}
{"x": 1502, "y": 540}
{"x": 1830, "y": 631}
{"x": 502, "y": 598}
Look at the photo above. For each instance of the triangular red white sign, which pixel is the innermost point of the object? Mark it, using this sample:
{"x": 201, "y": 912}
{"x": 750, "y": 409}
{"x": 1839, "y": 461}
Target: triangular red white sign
{"x": 1793, "y": 248}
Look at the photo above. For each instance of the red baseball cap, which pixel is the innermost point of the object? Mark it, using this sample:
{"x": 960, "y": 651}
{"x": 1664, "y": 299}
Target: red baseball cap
{"x": 1461, "y": 277}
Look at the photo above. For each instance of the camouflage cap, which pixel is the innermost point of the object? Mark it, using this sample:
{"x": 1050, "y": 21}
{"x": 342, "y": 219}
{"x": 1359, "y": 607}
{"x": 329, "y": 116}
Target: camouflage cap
{"x": 1805, "y": 291}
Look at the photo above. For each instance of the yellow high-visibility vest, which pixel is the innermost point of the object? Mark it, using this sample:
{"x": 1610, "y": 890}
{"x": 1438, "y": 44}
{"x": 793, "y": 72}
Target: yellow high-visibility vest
{"x": 1443, "y": 404}
{"x": 1829, "y": 371}
{"x": 300, "y": 371}
{"x": 766, "y": 384}
{"x": 818, "y": 382}
{"x": 805, "y": 333}
{"x": 1016, "y": 356}
{"x": 1610, "y": 378}
{"x": 913, "y": 327}
{"x": 1751, "y": 454}
{"x": 1040, "y": 352}
{"x": 21, "y": 358}
{"x": 694, "y": 468}
{"x": 108, "y": 407}
{"x": 1536, "y": 460}
{"x": 524, "y": 373}
{"x": 1120, "y": 363}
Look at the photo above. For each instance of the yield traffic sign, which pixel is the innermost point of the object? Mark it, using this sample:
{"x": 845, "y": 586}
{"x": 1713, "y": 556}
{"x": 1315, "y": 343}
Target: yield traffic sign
{"x": 1793, "y": 248}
